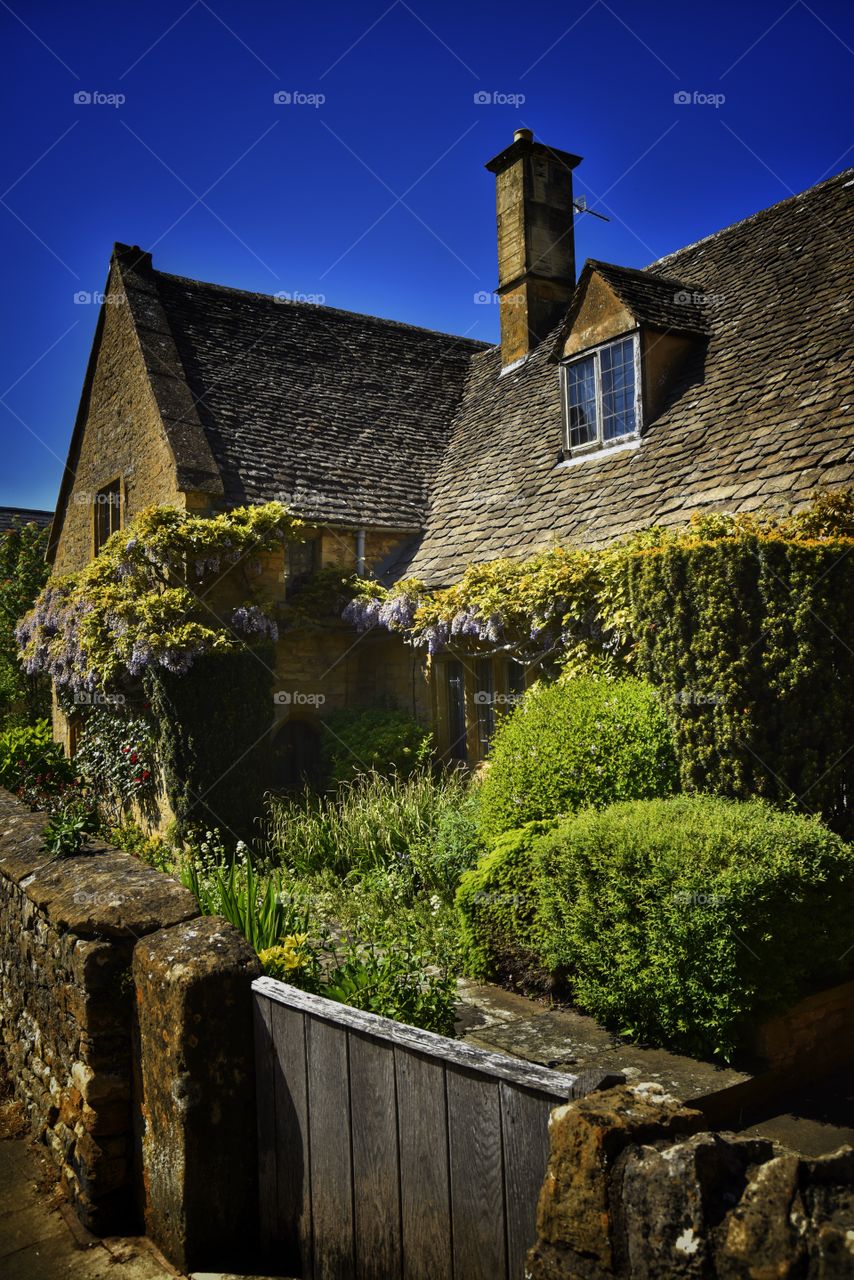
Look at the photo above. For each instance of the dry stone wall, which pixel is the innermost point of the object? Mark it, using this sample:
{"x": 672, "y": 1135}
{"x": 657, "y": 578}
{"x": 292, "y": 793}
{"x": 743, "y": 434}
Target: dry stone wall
{"x": 635, "y": 1188}
{"x": 125, "y": 1027}
{"x": 67, "y": 933}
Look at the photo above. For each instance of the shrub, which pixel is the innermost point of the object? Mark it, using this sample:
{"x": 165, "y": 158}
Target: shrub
{"x": 683, "y": 921}
{"x": 372, "y": 824}
{"x": 29, "y": 755}
{"x": 586, "y": 741}
{"x": 746, "y": 631}
{"x": 376, "y": 741}
{"x": 500, "y": 932}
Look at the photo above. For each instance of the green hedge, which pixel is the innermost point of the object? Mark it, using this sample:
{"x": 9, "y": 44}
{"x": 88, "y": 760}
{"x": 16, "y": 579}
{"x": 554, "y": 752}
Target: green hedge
{"x": 683, "y": 921}
{"x": 499, "y": 909}
{"x": 377, "y": 740}
{"x": 586, "y": 741}
{"x": 680, "y": 921}
{"x": 748, "y": 638}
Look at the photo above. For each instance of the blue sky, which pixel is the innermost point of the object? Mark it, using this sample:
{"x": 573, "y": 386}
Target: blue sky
{"x": 367, "y": 188}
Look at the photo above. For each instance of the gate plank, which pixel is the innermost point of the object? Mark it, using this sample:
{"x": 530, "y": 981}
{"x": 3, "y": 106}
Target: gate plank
{"x": 376, "y": 1174}
{"x": 477, "y": 1182}
{"x": 265, "y": 1103}
{"x": 525, "y": 1127}
{"x": 424, "y": 1187}
{"x": 293, "y": 1195}
{"x": 330, "y": 1165}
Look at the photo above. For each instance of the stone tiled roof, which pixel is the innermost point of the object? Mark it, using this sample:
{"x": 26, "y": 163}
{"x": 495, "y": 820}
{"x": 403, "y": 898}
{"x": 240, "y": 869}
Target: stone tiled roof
{"x": 11, "y": 516}
{"x": 761, "y": 414}
{"x": 659, "y": 301}
{"x": 344, "y": 417}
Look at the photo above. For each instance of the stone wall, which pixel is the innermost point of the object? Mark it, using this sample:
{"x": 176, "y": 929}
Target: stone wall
{"x": 67, "y": 934}
{"x": 635, "y": 1188}
{"x": 125, "y": 1025}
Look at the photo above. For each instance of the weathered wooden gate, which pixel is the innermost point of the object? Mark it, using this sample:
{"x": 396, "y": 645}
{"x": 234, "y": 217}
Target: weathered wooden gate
{"x": 389, "y": 1152}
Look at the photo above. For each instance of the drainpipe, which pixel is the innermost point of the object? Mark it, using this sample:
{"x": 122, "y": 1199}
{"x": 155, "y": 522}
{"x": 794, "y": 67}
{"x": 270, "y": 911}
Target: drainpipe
{"x": 360, "y": 552}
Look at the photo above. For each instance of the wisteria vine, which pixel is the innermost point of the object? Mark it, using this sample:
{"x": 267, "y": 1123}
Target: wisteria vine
{"x": 140, "y": 604}
{"x": 566, "y": 605}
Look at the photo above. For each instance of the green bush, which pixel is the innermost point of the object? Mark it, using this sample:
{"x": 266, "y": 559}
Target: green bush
{"x": 683, "y": 921}
{"x": 29, "y": 756}
{"x": 586, "y": 741}
{"x": 378, "y": 741}
{"x": 498, "y": 904}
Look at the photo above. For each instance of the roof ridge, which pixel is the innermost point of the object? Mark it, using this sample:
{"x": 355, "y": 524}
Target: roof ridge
{"x": 316, "y": 306}
{"x": 752, "y": 217}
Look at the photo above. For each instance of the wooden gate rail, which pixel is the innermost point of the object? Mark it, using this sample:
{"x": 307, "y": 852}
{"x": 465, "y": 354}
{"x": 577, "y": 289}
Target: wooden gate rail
{"x": 386, "y": 1151}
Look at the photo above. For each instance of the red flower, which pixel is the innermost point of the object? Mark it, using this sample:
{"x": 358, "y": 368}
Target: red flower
{"x": 146, "y": 774}
{"x": 125, "y": 750}
{"x": 134, "y": 758}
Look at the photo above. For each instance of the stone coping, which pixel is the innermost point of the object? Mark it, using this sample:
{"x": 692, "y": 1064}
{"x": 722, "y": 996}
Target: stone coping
{"x": 100, "y": 892}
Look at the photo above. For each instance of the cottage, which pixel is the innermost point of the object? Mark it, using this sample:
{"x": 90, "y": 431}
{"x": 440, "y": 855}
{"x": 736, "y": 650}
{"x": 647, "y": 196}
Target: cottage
{"x": 717, "y": 377}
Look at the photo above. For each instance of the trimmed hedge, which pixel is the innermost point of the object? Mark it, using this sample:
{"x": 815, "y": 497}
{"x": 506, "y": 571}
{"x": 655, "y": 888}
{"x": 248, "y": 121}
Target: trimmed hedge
{"x": 381, "y": 741}
{"x": 680, "y": 921}
{"x": 498, "y": 904}
{"x": 747, "y": 635}
{"x": 586, "y": 741}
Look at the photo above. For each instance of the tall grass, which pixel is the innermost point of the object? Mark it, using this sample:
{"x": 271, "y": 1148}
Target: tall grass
{"x": 372, "y": 824}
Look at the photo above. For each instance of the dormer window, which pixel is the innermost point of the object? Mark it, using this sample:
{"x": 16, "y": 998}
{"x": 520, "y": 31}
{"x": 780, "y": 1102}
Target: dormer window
{"x": 601, "y": 396}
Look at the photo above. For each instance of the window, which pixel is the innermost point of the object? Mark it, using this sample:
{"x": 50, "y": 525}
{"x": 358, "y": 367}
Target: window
{"x": 303, "y": 559}
{"x": 108, "y": 512}
{"x": 455, "y": 688}
{"x": 601, "y": 396}
{"x": 485, "y": 700}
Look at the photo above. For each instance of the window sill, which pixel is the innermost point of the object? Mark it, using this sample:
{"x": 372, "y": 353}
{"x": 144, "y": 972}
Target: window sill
{"x": 598, "y": 455}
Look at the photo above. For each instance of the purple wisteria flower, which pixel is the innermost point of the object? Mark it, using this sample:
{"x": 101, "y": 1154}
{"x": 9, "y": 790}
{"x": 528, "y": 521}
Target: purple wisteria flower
{"x": 251, "y": 621}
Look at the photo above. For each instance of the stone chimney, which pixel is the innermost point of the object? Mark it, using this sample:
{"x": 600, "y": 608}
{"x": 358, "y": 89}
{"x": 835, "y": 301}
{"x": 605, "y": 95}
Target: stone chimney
{"x": 536, "y": 243}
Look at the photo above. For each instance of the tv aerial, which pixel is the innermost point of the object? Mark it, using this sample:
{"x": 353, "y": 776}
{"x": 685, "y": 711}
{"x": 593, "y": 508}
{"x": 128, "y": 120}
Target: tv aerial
{"x": 580, "y": 206}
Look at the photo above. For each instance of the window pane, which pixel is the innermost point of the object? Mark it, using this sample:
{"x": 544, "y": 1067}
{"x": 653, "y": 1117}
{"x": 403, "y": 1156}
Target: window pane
{"x": 108, "y": 510}
{"x": 485, "y": 699}
{"x": 581, "y": 401}
{"x": 455, "y": 688}
{"x": 618, "y": 389}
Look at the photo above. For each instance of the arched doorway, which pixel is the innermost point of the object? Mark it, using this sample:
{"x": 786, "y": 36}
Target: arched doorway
{"x": 296, "y": 761}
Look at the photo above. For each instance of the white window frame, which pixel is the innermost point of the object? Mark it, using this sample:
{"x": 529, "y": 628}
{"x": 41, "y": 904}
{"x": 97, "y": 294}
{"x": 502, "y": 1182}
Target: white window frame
{"x": 599, "y": 444}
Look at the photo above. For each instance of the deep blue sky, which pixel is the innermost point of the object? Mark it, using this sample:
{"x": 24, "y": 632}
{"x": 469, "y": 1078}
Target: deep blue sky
{"x": 377, "y": 199}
